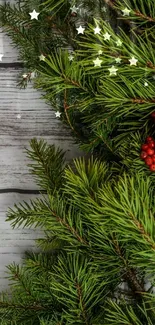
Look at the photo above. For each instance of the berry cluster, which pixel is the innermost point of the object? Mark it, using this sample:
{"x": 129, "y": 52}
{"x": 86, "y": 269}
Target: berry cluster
{"x": 148, "y": 153}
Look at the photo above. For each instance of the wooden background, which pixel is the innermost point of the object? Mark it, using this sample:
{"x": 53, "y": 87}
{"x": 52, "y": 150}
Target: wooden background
{"x": 16, "y": 184}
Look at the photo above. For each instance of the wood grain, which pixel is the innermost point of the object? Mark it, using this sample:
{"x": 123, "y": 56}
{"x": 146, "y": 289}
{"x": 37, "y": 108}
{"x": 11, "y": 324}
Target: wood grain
{"x": 36, "y": 120}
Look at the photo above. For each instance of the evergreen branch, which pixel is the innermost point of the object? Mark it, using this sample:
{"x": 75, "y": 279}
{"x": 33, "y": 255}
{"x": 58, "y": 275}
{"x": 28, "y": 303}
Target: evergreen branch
{"x": 47, "y": 166}
{"x": 139, "y": 10}
{"x": 142, "y": 230}
{"x": 110, "y": 3}
{"x": 142, "y": 101}
{"x": 17, "y": 276}
{"x": 76, "y": 288}
{"x": 124, "y": 313}
{"x": 144, "y": 17}
{"x": 80, "y": 297}
{"x": 54, "y": 214}
{"x": 59, "y": 74}
{"x": 53, "y": 4}
{"x": 39, "y": 263}
{"x": 129, "y": 275}
{"x": 24, "y": 307}
{"x": 71, "y": 229}
{"x": 66, "y": 108}
{"x": 105, "y": 143}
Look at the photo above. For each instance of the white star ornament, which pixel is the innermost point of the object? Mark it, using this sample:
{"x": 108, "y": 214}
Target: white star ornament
{"x": 97, "y": 30}
{"x": 113, "y": 71}
{"x": 74, "y": 9}
{"x": 57, "y": 114}
{"x": 34, "y": 14}
{"x": 118, "y": 60}
{"x": 97, "y": 62}
{"x": 42, "y": 57}
{"x": 119, "y": 42}
{"x": 126, "y": 12}
{"x": 80, "y": 30}
{"x": 133, "y": 61}
{"x": 106, "y": 36}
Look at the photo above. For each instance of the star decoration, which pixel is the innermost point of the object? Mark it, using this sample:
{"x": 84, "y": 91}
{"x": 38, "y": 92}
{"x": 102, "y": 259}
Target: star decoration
{"x": 42, "y": 57}
{"x": 80, "y": 29}
{"x": 97, "y": 62}
{"x": 126, "y": 12}
{"x": 71, "y": 57}
{"x": 133, "y": 61}
{"x": 146, "y": 84}
{"x": 118, "y": 60}
{"x": 74, "y": 9}
{"x": 106, "y": 36}
{"x": 1, "y": 55}
{"x": 97, "y": 30}
{"x": 113, "y": 71}
{"x": 24, "y": 75}
{"x": 57, "y": 114}
{"x": 34, "y": 14}
{"x": 119, "y": 42}
{"x": 100, "y": 52}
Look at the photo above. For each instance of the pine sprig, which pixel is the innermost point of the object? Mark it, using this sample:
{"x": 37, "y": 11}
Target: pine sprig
{"x": 48, "y": 165}
{"x": 103, "y": 225}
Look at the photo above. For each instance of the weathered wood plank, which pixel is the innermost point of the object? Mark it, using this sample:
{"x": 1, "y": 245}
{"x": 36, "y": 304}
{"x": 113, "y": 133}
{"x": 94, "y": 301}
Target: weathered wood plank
{"x": 37, "y": 120}
{"x": 10, "y": 52}
{"x": 13, "y": 242}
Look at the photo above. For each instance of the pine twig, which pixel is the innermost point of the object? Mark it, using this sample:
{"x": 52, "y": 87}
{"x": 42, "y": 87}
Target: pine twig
{"x": 130, "y": 275}
{"x": 25, "y": 307}
{"x": 79, "y": 290}
{"x": 71, "y": 229}
{"x": 139, "y": 14}
{"x": 110, "y": 3}
{"x": 66, "y": 108}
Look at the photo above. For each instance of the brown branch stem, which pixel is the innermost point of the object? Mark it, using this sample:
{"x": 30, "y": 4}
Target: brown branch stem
{"x": 109, "y": 3}
{"x": 142, "y": 101}
{"x": 130, "y": 274}
{"x": 79, "y": 290}
{"x": 143, "y": 232}
{"x": 66, "y": 108}
{"x": 71, "y": 229}
{"x": 139, "y": 14}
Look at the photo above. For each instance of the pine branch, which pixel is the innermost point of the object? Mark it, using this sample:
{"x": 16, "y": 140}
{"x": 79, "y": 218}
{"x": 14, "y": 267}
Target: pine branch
{"x": 48, "y": 164}
{"x": 24, "y": 307}
{"x": 125, "y": 314}
{"x": 129, "y": 274}
{"x": 80, "y": 297}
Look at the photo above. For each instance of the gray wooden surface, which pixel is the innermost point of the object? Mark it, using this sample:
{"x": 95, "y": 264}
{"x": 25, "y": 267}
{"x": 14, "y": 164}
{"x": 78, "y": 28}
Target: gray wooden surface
{"x": 36, "y": 120}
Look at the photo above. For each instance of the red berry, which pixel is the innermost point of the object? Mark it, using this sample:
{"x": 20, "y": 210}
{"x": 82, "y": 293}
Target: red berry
{"x": 153, "y": 158}
{"x": 148, "y": 161}
{"x": 144, "y": 147}
{"x": 153, "y": 114}
{"x": 150, "y": 152}
{"x": 143, "y": 154}
{"x": 148, "y": 139}
{"x": 151, "y": 144}
{"x": 73, "y": 14}
{"x": 152, "y": 168}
